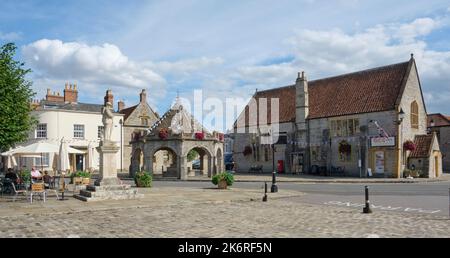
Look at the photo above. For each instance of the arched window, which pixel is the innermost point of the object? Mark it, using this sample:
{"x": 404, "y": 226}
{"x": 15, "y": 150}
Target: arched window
{"x": 414, "y": 115}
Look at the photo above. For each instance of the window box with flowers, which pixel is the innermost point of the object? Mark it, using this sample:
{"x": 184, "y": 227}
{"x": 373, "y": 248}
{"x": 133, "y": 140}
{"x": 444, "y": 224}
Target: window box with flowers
{"x": 200, "y": 136}
{"x": 163, "y": 133}
{"x": 409, "y": 146}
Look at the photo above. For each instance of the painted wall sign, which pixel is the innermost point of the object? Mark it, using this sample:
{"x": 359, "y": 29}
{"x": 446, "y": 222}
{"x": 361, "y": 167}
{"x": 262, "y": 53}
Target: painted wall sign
{"x": 382, "y": 141}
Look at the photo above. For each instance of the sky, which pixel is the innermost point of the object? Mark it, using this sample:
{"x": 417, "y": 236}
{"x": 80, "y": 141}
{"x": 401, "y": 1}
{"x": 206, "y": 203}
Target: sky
{"x": 228, "y": 49}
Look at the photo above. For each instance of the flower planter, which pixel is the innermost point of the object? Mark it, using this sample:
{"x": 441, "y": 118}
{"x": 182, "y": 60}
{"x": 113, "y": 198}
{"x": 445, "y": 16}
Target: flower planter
{"x": 222, "y": 184}
{"x": 77, "y": 180}
{"x": 86, "y": 181}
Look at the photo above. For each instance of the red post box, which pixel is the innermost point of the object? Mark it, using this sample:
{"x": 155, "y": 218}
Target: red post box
{"x": 280, "y": 166}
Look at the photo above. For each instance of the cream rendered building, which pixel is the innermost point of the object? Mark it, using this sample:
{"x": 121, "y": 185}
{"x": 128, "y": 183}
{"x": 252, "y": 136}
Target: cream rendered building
{"x": 79, "y": 124}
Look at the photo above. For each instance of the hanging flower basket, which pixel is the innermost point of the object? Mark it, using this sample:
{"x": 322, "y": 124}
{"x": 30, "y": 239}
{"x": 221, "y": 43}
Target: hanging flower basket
{"x": 409, "y": 146}
{"x": 247, "y": 151}
{"x": 163, "y": 133}
{"x": 221, "y": 137}
{"x": 200, "y": 135}
{"x": 345, "y": 148}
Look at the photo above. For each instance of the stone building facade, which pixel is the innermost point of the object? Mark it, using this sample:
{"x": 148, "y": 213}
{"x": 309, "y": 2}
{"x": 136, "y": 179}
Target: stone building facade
{"x": 137, "y": 119}
{"x": 354, "y": 124}
{"x": 163, "y": 149}
{"x": 440, "y": 124}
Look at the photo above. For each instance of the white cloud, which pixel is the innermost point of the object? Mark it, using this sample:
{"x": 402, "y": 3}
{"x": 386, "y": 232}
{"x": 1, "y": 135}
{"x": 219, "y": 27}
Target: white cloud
{"x": 187, "y": 66}
{"x": 104, "y": 65}
{"x": 323, "y": 53}
{"x": 10, "y": 36}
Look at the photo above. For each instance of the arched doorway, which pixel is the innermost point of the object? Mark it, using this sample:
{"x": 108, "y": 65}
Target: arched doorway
{"x": 165, "y": 163}
{"x": 219, "y": 161}
{"x": 198, "y": 162}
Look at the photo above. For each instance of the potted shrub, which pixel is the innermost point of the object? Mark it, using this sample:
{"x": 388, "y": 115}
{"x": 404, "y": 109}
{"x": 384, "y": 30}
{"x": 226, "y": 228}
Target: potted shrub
{"x": 223, "y": 180}
{"x": 25, "y": 177}
{"x": 81, "y": 177}
{"x": 143, "y": 179}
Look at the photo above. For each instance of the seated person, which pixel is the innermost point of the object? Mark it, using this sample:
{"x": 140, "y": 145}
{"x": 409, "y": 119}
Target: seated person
{"x": 35, "y": 175}
{"x": 47, "y": 179}
{"x": 12, "y": 176}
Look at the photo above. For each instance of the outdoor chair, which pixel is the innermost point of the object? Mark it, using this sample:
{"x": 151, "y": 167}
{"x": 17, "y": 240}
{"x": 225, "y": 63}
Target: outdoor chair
{"x": 17, "y": 192}
{"x": 38, "y": 189}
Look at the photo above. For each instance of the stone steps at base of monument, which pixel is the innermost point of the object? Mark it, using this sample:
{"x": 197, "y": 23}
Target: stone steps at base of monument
{"x": 109, "y": 192}
{"x": 94, "y": 188}
{"x": 110, "y": 196}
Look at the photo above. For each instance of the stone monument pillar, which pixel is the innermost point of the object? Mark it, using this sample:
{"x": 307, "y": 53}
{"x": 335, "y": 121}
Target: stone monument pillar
{"x": 108, "y": 186}
{"x": 108, "y": 168}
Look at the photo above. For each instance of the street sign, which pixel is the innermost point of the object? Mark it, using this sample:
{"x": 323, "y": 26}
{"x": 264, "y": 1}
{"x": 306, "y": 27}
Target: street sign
{"x": 382, "y": 141}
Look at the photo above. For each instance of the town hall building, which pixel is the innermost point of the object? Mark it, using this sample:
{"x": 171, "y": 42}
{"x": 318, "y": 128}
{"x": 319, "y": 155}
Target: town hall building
{"x": 366, "y": 123}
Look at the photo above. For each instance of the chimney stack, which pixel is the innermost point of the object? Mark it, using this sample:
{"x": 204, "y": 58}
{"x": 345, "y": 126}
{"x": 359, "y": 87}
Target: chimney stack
{"x": 143, "y": 96}
{"x": 120, "y": 105}
{"x": 70, "y": 94}
{"x": 53, "y": 97}
{"x": 109, "y": 97}
{"x": 301, "y": 101}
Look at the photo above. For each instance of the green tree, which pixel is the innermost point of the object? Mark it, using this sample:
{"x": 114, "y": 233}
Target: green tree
{"x": 15, "y": 95}
{"x": 192, "y": 155}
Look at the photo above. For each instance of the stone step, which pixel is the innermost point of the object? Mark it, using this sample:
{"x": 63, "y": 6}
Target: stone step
{"x": 101, "y": 194}
{"x": 111, "y": 196}
{"x": 94, "y": 188}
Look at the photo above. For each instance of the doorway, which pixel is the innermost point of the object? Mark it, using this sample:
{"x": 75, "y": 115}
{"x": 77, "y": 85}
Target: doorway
{"x": 436, "y": 165}
{"x": 79, "y": 159}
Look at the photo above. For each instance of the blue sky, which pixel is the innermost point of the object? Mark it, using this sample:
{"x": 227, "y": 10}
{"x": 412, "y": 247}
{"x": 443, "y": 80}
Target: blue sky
{"x": 226, "y": 48}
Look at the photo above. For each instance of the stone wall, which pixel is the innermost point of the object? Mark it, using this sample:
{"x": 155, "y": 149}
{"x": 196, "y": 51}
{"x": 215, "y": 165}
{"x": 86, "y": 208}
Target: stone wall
{"x": 444, "y": 143}
{"x": 244, "y": 163}
{"x": 134, "y": 124}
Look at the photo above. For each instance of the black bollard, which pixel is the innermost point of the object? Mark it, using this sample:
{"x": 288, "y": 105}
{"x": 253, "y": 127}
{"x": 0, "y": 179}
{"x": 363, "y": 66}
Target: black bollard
{"x": 367, "y": 208}
{"x": 265, "y": 192}
{"x": 274, "y": 188}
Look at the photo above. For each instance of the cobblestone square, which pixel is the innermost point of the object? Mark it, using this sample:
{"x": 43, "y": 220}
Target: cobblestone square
{"x": 185, "y": 212}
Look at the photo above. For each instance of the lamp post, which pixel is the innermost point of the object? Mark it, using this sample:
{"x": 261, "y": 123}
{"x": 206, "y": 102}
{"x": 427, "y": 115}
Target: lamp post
{"x": 274, "y": 187}
{"x": 401, "y": 116}
{"x": 121, "y": 145}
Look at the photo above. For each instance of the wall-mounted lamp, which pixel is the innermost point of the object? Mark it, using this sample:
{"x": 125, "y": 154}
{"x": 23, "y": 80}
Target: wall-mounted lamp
{"x": 401, "y": 116}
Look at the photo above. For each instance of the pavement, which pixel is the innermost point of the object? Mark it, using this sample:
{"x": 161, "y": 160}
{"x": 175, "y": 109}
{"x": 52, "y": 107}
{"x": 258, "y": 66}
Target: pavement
{"x": 238, "y": 177}
{"x": 209, "y": 212}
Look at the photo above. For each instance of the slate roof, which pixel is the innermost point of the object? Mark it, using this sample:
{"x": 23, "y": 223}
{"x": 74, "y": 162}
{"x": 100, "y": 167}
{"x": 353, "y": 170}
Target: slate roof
{"x": 438, "y": 119}
{"x": 365, "y": 91}
{"x": 423, "y": 145}
{"x": 127, "y": 111}
{"x": 85, "y": 107}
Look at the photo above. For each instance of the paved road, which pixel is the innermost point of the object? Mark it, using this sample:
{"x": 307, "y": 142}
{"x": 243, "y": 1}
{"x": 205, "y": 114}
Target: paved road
{"x": 418, "y": 198}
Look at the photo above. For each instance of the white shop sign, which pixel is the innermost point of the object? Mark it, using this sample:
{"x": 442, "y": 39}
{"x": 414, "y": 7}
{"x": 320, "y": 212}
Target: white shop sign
{"x": 382, "y": 141}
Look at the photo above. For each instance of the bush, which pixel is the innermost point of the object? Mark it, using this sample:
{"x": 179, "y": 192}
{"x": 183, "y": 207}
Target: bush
{"x": 223, "y": 176}
{"x": 143, "y": 179}
{"x": 82, "y": 174}
{"x": 25, "y": 176}
{"x": 406, "y": 173}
